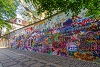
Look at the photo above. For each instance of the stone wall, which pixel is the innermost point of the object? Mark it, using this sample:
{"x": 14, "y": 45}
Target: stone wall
{"x": 60, "y": 35}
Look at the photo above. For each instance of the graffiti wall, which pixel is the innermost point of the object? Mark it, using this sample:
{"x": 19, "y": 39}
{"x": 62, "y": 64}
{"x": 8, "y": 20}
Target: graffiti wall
{"x": 61, "y": 35}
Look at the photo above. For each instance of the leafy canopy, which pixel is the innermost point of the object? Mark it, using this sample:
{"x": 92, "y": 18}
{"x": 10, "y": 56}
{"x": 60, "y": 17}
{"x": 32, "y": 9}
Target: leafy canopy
{"x": 7, "y": 11}
{"x": 51, "y": 7}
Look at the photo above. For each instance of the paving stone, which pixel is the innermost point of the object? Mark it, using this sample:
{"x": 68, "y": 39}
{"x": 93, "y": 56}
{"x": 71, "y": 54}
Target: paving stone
{"x": 3, "y": 59}
{"x": 37, "y": 65}
{"x": 16, "y": 65}
{"x": 34, "y": 60}
{"x": 24, "y": 60}
{"x": 51, "y": 65}
{"x": 16, "y": 57}
{"x": 43, "y": 63}
{"x": 3, "y": 56}
{"x": 1, "y": 65}
{"x": 44, "y": 60}
{"x": 9, "y": 64}
{"x": 6, "y": 61}
{"x": 20, "y": 58}
{"x": 29, "y": 63}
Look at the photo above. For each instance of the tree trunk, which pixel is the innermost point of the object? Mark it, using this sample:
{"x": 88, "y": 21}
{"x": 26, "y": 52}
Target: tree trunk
{"x": 0, "y": 32}
{"x": 29, "y": 12}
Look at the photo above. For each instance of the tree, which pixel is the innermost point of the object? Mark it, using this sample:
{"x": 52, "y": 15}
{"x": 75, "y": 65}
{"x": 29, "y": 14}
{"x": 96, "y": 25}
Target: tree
{"x": 29, "y": 12}
{"x": 7, "y": 11}
{"x": 51, "y": 7}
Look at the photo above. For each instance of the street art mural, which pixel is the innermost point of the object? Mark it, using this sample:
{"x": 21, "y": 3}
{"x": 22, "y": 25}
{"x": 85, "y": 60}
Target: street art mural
{"x": 60, "y": 36}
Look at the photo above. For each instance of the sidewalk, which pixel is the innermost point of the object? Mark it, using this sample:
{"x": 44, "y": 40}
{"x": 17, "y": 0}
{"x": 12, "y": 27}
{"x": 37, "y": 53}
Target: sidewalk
{"x": 10, "y": 58}
{"x": 62, "y": 61}
{"x": 1, "y": 65}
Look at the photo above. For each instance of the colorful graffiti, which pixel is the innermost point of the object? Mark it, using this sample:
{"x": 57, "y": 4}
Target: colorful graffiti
{"x": 60, "y": 36}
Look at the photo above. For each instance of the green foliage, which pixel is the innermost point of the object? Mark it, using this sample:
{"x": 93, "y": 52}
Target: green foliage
{"x": 5, "y": 24}
{"x": 7, "y": 11}
{"x": 51, "y": 7}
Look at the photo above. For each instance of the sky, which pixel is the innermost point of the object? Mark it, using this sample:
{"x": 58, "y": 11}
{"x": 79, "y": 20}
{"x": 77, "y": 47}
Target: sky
{"x": 21, "y": 9}
{"x": 19, "y": 16}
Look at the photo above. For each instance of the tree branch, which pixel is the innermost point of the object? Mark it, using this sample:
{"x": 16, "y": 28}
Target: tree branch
{"x": 30, "y": 13}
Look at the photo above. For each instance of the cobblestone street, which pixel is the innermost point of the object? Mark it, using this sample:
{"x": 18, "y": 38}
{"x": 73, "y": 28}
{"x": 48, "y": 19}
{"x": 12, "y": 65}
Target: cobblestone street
{"x": 20, "y": 58}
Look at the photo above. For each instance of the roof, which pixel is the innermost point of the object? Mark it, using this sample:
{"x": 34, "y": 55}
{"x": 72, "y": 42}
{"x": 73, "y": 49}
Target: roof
{"x": 14, "y": 21}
